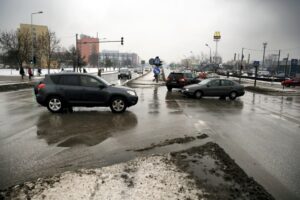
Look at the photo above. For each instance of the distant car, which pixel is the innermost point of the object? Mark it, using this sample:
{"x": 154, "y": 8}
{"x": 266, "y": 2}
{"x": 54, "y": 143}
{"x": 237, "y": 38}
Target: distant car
{"x": 280, "y": 75}
{"x": 212, "y": 75}
{"x": 291, "y": 82}
{"x": 214, "y": 87}
{"x": 139, "y": 70}
{"x": 180, "y": 79}
{"x": 65, "y": 90}
{"x": 124, "y": 73}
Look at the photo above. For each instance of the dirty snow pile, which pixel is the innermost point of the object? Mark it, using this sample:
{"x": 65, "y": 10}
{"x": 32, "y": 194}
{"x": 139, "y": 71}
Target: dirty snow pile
{"x": 144, "y": 178}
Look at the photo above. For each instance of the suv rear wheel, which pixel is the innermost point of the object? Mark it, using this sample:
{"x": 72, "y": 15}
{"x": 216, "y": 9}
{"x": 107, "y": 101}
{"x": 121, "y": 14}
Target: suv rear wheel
{"x": 55, "y": 104}
{"x": 118, "y": 105}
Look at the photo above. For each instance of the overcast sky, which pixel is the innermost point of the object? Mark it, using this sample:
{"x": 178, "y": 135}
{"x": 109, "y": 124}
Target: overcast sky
{"x": 171, "y": 29}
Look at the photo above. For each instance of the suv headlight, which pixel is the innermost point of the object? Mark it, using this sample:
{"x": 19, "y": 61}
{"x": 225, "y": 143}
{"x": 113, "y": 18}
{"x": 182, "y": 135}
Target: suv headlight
{"x": 131, "y": 92}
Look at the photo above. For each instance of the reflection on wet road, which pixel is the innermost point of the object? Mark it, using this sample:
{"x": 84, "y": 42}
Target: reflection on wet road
{"x": 82, "y": 128}
{"x": 260, "y": 132}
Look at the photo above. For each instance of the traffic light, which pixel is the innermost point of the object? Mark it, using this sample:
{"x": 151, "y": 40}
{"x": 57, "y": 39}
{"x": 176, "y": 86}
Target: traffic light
{"x": 122, "y": 41}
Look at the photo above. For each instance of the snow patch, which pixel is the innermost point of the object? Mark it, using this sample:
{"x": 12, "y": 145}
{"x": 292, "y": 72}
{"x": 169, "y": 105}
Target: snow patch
{"x": 153, "y": 177}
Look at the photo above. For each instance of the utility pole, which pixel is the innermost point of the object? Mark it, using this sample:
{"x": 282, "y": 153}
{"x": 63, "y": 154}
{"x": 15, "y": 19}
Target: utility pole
{"x": 77, "y": 54}
{"x": 263, "y": 62}
{"x": 278, "y": 63}
{"x": 241, "y": 66}
{"x": 286, "y": 65}
{"x": 248, "y": 59}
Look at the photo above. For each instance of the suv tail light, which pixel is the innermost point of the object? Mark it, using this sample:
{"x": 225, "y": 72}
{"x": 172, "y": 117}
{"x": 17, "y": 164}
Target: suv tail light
{"x": 182, "y": 79}
{"x": 41, "y": 86}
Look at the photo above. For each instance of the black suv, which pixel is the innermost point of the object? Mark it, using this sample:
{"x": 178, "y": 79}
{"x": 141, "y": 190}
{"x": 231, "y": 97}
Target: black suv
{"x": 180, "y": 79}
{"x": 64, "y": 90}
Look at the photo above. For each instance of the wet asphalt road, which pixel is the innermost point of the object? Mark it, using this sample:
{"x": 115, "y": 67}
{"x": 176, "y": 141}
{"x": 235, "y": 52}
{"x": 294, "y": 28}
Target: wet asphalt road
{"x": 262, "y": 134}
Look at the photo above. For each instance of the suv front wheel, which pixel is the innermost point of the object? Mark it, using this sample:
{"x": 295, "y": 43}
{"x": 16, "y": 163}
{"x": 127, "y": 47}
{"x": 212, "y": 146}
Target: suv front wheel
{"x": 118, "y": 105}
{"x": 55, "y": 104}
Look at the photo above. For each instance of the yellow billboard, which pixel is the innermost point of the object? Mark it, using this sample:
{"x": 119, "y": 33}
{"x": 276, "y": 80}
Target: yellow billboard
{"x": 217, "y": 35}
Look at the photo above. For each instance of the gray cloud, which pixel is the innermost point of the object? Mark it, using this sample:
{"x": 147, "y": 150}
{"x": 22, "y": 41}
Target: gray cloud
{"x": 169, "y": 28}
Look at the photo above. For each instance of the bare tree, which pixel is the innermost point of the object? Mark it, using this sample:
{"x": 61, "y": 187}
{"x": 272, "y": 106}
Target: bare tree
{"x": 72, "y": 59}
{"x": 47, "y": 44}
{"x": 16, "y": 44}
{"x": 93, "y": 59}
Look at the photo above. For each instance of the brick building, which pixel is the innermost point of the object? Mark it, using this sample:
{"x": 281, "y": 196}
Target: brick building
{"x": 89, "y": 49}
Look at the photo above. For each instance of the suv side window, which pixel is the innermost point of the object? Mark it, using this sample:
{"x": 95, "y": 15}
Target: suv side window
{"x": 55, "y": 79}
{"x": 88, "y": 81}
{"x": 69, "y": 80}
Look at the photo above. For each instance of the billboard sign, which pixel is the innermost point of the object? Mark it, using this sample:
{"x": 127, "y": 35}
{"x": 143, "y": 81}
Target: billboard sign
{"x": 217, "y": 35}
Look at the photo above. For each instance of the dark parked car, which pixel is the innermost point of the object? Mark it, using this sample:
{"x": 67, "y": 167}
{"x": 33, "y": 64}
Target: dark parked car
{"x": 291, "y": 82}
{"x": 180, "y": 79}
{"x": 124, "y": 73}
{"x": 64, "y": 90}
{"x": 215, "y": 87}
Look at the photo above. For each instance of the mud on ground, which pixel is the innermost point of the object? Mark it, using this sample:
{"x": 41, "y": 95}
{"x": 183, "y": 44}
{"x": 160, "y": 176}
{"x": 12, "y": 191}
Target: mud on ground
{"x": 19, "y": 86}
{"x": 219, "y": 175}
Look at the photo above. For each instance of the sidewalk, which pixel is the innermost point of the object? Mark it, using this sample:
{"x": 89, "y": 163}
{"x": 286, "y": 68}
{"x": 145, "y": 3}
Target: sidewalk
{"x": 146, "y": 79}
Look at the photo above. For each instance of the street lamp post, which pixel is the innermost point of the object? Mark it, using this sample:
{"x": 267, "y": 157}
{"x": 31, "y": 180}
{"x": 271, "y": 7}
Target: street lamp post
{"x": 32, "y": 48}
{"x": 209, "y": 52}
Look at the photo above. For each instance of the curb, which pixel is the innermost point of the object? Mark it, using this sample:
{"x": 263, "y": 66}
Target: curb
{"x": 16, "y": 86}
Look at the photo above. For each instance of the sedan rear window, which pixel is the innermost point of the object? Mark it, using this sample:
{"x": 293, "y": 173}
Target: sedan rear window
{"x": 175, "y": 75}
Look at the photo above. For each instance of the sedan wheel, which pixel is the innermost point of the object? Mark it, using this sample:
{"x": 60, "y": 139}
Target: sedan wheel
{"x": 233, "y": 95}
{"x": 198, "y": 94}
{"x": 55, "y": 104}
{"x": 118, "y": 105}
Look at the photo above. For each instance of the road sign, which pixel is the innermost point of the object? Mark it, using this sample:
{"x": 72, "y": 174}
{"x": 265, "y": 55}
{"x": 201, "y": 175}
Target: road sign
{"x": 151, "y": 61}
{"x": 256, "y": 63}
{"x": 294, "y": 62}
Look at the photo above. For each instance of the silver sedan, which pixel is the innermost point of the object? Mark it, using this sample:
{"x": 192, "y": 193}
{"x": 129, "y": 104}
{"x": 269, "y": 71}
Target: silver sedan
{"x": 214, "y": 87}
